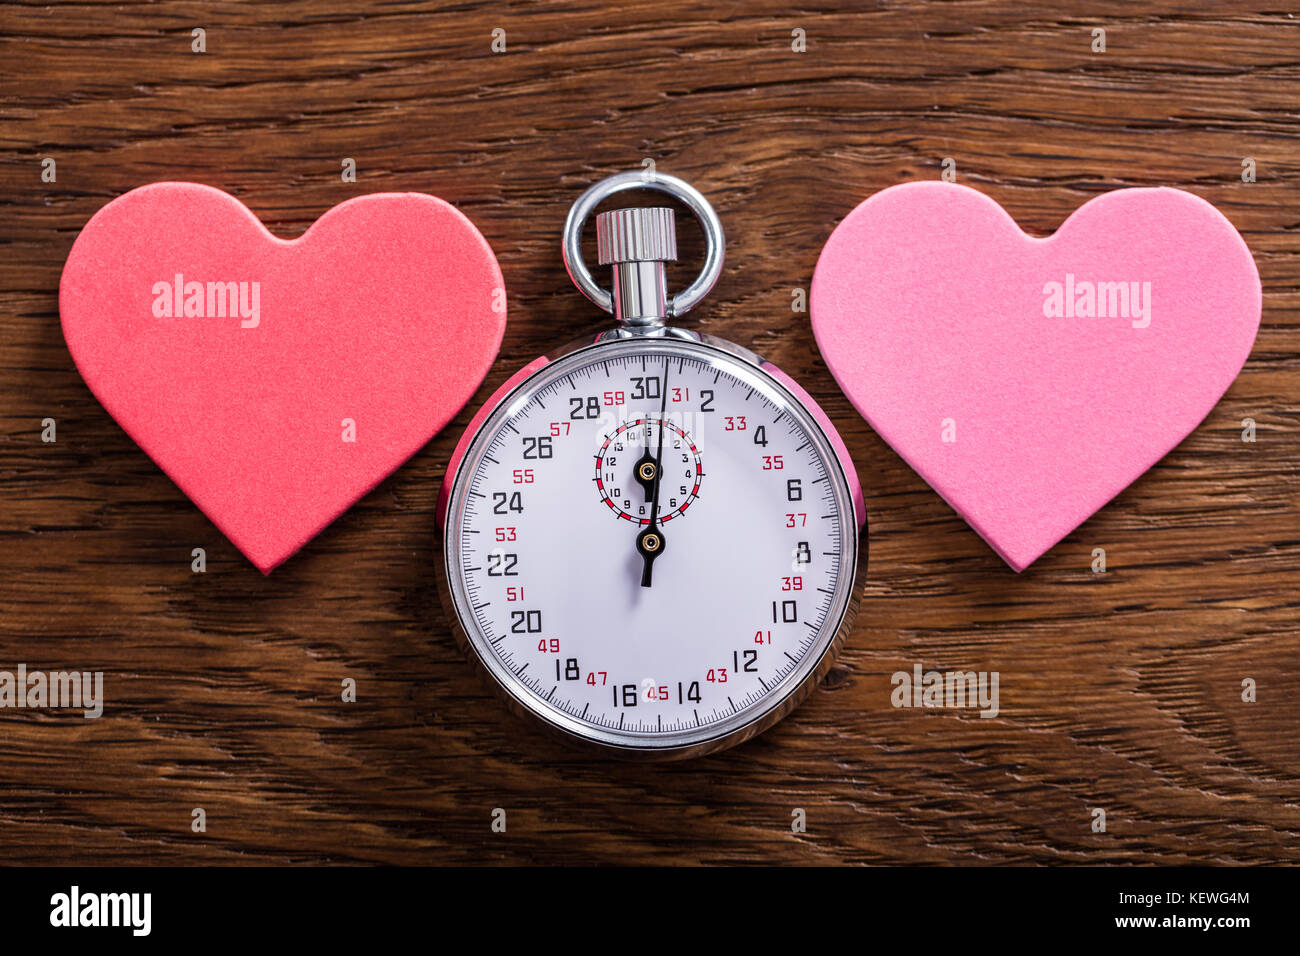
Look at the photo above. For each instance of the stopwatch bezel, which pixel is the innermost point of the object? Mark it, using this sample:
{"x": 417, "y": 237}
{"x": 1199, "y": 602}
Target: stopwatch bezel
{"x": 725, "y": 733}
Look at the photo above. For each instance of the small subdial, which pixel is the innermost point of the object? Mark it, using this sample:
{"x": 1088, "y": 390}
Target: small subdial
{"x": 626, "y": 470}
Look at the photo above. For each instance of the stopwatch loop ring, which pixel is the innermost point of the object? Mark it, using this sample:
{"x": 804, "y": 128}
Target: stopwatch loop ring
{"x": 692, "y": 198}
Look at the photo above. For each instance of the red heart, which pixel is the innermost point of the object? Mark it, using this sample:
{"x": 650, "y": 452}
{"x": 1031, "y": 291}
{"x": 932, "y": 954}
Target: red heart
{"x": 386, "y": 314}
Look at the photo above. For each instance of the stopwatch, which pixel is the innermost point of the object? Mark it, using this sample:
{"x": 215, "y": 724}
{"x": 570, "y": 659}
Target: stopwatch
{"x": 651, "y": 535}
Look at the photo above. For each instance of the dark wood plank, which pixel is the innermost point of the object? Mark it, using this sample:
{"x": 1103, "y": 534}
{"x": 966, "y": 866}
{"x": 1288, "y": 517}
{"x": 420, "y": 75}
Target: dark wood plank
{"x": 1119, "y": 691}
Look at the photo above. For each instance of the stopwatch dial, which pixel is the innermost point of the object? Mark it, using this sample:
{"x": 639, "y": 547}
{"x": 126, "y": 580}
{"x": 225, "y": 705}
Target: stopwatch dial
{"x": 626, "y": 470}
{"x": 624, "y": 446}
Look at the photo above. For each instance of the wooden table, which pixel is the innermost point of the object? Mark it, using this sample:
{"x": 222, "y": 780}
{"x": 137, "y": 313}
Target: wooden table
{"x": 1120, "y": 691}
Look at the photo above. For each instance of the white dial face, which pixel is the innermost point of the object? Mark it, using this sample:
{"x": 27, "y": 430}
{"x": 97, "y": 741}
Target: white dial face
{"x": 650, "y": 544}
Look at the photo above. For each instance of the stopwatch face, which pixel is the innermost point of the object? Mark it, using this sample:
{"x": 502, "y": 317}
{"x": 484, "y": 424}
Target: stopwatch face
{"x": 651, "y": 546}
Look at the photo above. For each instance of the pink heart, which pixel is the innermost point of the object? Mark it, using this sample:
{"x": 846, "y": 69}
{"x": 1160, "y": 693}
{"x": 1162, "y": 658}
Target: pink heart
{"x": 386, "y": 313}
{"x": 935, "y": 315}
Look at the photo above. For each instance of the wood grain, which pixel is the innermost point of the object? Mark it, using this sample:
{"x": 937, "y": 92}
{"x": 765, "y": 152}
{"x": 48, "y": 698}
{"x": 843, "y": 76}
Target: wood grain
{"x": 1120, "y": 691}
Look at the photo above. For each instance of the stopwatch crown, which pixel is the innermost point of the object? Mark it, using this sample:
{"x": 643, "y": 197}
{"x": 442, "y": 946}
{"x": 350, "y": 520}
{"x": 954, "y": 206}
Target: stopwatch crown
{"x": 636, "y": 235}
{"x": 637, "y": 242}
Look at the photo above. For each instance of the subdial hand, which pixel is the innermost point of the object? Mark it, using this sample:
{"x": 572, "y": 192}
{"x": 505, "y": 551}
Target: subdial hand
{"x": 646, "y": 469}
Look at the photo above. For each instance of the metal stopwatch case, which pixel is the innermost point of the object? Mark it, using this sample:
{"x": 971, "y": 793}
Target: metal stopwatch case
{"x": 651, "y": 536}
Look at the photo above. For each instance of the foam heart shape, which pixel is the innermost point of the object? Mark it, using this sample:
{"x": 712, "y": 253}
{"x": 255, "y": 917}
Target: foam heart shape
{"x": 1031, "y": 380}
{"x": 277, "y": 381}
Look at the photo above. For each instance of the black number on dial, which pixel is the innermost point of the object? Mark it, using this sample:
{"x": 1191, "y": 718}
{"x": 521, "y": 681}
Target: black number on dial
{"x": 525, "y": 622}
{"x": 789, "y": 612}
{"x": 503, "y": 503}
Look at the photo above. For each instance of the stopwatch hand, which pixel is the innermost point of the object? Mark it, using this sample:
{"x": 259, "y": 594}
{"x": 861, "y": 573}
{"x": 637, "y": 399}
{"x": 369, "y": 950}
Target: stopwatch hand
{"x": 650, "y": 542}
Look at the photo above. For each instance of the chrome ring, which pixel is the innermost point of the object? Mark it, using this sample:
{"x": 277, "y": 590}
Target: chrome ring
{"x": 694, "y": 200}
